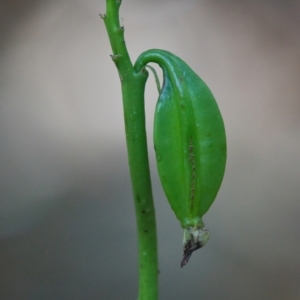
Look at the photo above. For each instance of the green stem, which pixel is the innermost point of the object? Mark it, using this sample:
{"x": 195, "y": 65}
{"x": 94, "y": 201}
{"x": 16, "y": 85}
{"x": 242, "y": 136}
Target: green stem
{"x": 133, "y": 86}
{"x": 155, "y": 77}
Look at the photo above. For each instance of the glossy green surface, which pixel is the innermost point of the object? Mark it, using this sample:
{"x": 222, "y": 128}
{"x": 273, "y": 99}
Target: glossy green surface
{"x": 133, "y": 85}
{"x": 189, "y": 138}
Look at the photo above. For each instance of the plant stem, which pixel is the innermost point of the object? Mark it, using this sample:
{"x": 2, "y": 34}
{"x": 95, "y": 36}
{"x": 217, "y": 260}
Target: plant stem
{"x": 133, "y": 86}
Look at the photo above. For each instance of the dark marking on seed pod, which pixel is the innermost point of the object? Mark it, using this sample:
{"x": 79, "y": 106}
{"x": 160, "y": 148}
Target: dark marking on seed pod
{"x": 188, "y": 250}
{"x": 192, "y": 161}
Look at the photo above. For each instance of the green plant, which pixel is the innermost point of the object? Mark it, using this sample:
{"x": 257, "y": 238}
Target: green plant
{"x": 190, "y": 145}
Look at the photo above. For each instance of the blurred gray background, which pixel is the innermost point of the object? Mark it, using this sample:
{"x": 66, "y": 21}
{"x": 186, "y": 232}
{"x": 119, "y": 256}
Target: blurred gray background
{"x": 67, "y": 224}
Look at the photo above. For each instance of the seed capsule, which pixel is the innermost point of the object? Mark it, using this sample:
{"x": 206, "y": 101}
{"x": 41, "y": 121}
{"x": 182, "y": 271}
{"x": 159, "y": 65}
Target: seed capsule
{"x": 190, "y": 145}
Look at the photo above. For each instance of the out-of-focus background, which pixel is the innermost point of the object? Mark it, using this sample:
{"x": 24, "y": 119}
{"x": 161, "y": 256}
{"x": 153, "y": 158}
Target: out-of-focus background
{"x": 67, "y": 224}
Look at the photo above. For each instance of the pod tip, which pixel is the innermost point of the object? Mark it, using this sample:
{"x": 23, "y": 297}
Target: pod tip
{"x": 193, "y": 239}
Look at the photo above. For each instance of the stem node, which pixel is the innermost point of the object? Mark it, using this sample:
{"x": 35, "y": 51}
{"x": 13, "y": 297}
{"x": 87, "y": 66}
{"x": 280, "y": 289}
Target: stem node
{"x": 115, "y": 57}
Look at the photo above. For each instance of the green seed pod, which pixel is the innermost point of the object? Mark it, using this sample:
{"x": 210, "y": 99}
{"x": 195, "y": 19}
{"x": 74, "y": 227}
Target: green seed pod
{"x": 190, "y": 145}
